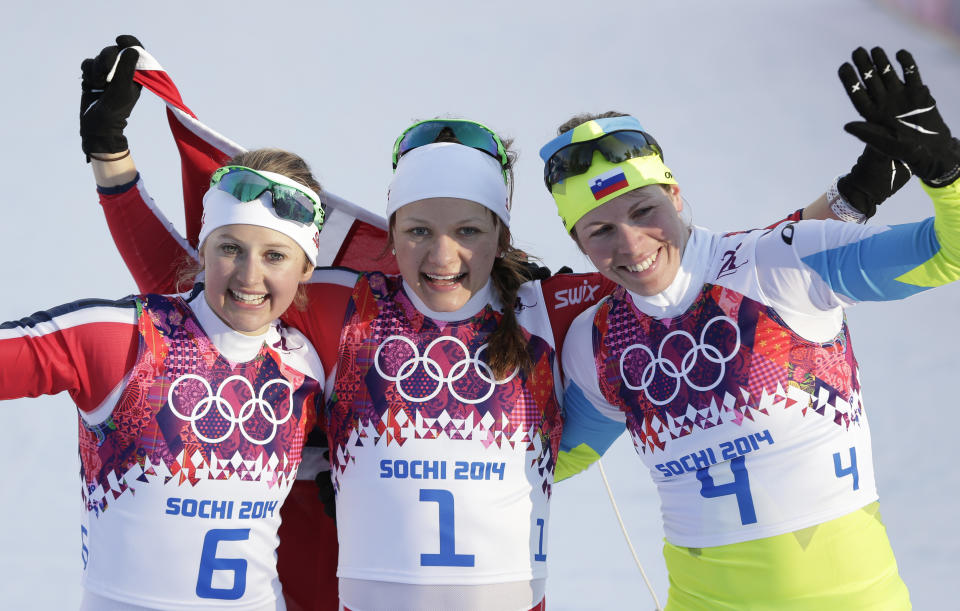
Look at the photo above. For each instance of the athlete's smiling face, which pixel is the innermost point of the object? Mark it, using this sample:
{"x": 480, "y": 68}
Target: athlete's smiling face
{"x": 445, "y": 249}
{"x": 251, "y": 275}
{"x": 637, "y": 239}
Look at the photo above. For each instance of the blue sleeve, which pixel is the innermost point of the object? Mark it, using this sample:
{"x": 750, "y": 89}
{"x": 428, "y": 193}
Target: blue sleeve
{"x": 808, "y": 267}
{"x": 587, "y": 434}
{"x": 898, "y": 261}
{"x": 873, "y": 269}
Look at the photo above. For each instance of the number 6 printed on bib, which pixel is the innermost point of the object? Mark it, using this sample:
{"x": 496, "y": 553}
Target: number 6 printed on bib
{"x": 211, "y": 565}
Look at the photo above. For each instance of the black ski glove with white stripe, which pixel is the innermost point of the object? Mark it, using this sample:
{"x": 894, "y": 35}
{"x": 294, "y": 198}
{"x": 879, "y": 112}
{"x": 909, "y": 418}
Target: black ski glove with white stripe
{"x": 105, "y": 106}
{"x": 901, "y": 117}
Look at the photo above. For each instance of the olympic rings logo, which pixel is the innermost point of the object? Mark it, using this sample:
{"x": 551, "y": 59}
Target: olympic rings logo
{"x": 202, "y": 407}
{"x": 435, "y": 372}
{"x": 661, "y": 364}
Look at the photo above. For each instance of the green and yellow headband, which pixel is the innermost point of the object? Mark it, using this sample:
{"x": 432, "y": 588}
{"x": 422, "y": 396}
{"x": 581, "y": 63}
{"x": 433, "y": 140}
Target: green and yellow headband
{"x": 599, "y": 160}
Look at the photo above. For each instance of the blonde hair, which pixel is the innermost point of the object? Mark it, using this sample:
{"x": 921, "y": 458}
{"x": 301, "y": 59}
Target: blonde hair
{"x": 278, "y": 161}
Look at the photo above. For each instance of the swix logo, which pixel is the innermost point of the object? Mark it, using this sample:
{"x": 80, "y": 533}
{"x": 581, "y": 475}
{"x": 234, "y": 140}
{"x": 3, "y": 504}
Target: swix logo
{"x": 730, "y": 264}
{"x": 575, "y": 295}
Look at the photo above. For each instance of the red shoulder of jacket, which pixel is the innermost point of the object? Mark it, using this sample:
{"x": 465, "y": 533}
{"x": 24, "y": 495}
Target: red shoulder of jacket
{"x": 85, "y": 348}
{"x": 790, "y": 218}
{"x": 328, "y": 293}
{"x": 567, "y": 295}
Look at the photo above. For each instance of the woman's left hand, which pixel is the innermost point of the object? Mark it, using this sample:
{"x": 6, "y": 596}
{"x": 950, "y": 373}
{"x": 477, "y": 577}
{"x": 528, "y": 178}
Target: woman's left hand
{"x": 901, "y": 117}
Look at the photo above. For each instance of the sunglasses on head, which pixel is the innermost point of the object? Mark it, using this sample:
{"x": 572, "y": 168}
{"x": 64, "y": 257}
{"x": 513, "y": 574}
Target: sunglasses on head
{"x": 289, "y": 202}
{"x": 616, "y": 147}
{"x": 467, "y": 133}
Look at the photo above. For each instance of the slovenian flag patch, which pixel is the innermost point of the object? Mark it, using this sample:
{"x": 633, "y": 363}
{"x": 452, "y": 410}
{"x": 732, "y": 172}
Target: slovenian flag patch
{"x": 607, "y": 183}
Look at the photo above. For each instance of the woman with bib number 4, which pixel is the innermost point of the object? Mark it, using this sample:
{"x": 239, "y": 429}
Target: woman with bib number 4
{"x": 729, "y": 359}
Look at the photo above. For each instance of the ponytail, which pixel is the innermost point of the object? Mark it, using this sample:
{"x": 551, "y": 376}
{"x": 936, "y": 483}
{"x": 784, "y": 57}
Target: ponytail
{"x": 507, "y": 344}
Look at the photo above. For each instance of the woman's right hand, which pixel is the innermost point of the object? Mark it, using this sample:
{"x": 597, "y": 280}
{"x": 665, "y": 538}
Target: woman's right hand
{"x": 109, "y": 95}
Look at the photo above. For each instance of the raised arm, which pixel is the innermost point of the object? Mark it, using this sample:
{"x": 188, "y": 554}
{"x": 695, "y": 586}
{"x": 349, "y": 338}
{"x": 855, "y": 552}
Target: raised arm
{"x": 149, "y": 244}
{"x": 901, "y": 121}
{"x": 591, "y": 424}
{"x": 843, "y": 265}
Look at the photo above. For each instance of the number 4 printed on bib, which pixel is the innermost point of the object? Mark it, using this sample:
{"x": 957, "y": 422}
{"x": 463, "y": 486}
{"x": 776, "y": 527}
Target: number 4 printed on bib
{"x": 740, "y": 486}
{"x": 852, "y": 470}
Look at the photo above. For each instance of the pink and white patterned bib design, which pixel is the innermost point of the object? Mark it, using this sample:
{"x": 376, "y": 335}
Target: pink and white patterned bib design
{"x": 190, "y": 469}
{"x": 443, "y": 469}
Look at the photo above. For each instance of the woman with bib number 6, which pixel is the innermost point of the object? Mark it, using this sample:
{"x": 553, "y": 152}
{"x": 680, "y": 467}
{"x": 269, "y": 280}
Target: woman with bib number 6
{"x": 192, "y": 408}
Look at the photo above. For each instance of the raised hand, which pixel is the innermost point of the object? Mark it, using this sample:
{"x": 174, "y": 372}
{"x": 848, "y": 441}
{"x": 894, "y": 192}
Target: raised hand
{"x": 109, "y": 95}
{"x": 901, "y": 119}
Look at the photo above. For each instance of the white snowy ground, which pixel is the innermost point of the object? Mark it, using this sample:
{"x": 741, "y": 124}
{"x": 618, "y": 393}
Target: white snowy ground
{"x": 742, "y": 95}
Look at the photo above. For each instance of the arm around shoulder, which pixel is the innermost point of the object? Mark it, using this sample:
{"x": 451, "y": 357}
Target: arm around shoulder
{"x": 591, "y": 424}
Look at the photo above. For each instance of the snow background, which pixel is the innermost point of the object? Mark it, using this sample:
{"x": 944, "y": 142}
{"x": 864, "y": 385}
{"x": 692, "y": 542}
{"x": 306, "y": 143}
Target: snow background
{"x": 742, "y": 94}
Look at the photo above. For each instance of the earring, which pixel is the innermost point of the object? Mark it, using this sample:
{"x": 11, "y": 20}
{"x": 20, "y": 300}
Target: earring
{"x": 393, "y": 251}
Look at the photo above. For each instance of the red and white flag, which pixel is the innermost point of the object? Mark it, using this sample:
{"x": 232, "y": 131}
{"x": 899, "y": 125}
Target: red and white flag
{"x": 352, "y": 236}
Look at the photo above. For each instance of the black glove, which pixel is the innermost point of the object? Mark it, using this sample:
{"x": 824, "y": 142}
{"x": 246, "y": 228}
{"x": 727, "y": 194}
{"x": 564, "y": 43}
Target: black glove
{"x": 328, "y": 496}
{"x": 104, "y": 107}
{"x": 901, "y": 117}
{"x": 532, "y": 271}
{"x": 872, "y": 179}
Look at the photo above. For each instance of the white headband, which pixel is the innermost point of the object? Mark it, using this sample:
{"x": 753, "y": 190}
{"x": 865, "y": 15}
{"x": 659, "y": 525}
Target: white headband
{"x": 448, "y": 169}
{"x": 220, "y": 208}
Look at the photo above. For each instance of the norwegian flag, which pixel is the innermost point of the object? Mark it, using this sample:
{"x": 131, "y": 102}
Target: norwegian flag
{"x": 352, "y": 236}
